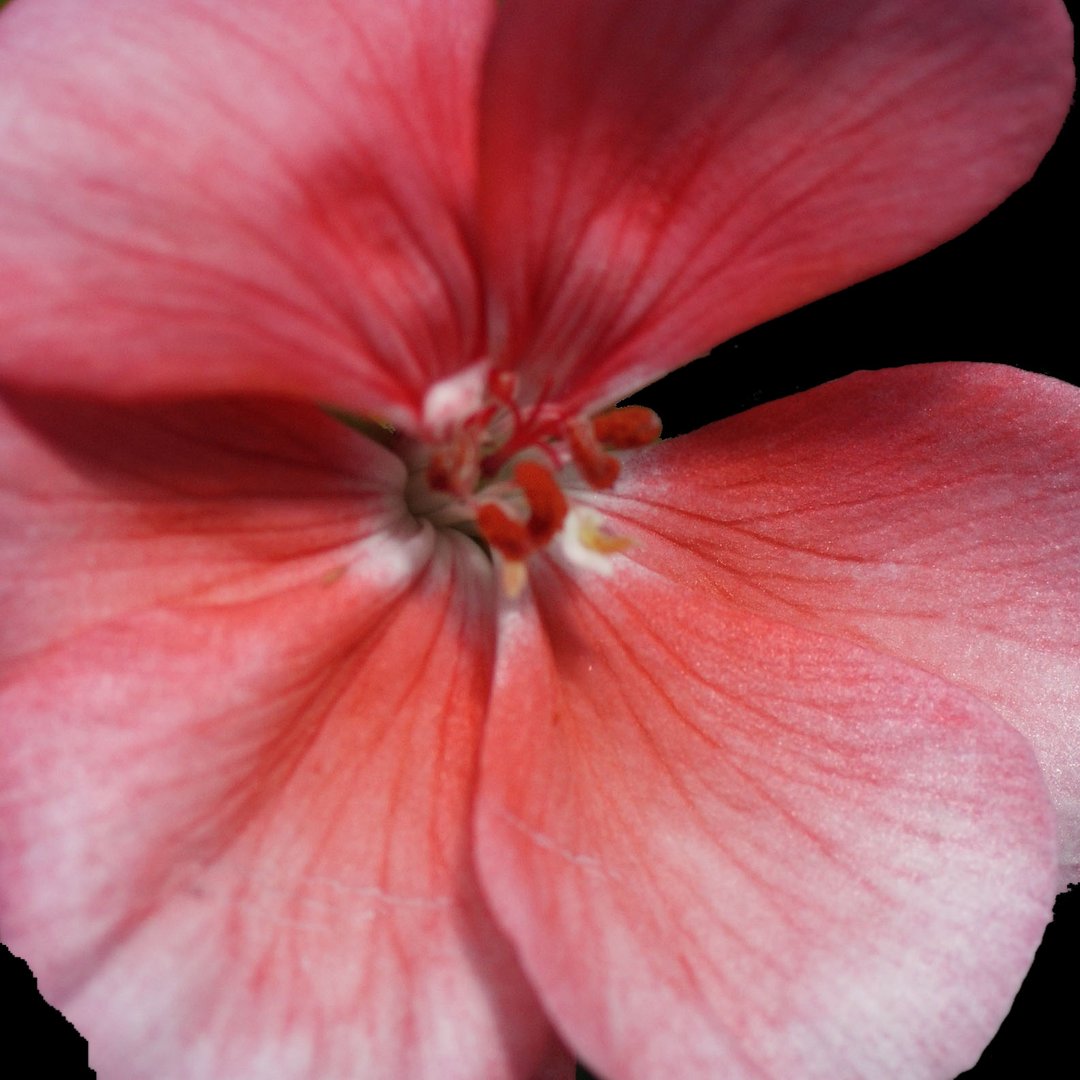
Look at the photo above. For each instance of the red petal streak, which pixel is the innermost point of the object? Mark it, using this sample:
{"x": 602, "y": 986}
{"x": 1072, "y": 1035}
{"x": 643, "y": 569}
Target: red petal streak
{"x": 931, "y": 511}
{"x": 726, "y": 847}
{"x": 657, "y": 177}
{"x": 240, "y": 737}
{"x": 257, "y": 196}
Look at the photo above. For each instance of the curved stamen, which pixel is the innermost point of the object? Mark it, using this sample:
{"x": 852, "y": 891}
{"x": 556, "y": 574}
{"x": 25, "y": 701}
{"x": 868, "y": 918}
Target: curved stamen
{"x": 518, "y": 514}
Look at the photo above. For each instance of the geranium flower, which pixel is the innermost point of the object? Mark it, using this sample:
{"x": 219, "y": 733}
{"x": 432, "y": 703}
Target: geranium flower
{"x": 376, "y": 700}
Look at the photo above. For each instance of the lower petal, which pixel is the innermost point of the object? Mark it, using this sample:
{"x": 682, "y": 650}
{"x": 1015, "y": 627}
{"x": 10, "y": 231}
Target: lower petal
{"x": 236, "y": 776}
{"x": 932, "y": 512}
{"x": 726, "y": 847}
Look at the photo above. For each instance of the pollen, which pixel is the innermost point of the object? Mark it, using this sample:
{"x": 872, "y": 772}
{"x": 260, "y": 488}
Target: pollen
{"x": 595, "y": 536}
{"x": 587, "y": 542}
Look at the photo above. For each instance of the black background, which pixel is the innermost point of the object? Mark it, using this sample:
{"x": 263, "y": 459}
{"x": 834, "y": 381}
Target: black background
{"x": 1003, "y": 292}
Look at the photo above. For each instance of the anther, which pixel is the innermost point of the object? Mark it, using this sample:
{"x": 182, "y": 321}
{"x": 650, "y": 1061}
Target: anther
{"x": 547, "y": 503}
{"x": 482, "y": 434}
{"x": 509, "y": 537}
{"x": 599, "y": 469}
{"x": 627, "y": 428}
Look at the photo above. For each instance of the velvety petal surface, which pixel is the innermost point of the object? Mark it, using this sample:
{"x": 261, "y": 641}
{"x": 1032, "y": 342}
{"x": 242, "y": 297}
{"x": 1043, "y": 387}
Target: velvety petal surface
{"x": 259, "y": 195}
{"x": 657, "y": 177}
{"x": 729, "y": 847}
{"x": 240, "y": 701}
{"x": 932, "y": 512}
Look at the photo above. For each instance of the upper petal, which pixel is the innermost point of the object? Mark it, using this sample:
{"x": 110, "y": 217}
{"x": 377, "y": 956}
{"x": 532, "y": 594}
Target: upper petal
{"x": 263, "y": 196}
{"x": 240, "y": 701}
{"x": 657, "y": 177}
{"x": 727, "y": 847}
{"x": 930, "y": 511}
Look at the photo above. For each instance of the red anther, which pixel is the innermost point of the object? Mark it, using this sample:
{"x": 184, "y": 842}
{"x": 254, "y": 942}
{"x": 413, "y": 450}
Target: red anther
{"x": 547, "y": 503}
{"x": 627, "y": 428}
{"x": 508, "y": 537}
{"x": 599, "y": 468}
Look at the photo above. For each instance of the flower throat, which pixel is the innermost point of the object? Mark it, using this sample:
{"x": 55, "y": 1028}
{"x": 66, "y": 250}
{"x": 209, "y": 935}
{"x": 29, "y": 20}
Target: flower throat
{"x": 495, "y": 469}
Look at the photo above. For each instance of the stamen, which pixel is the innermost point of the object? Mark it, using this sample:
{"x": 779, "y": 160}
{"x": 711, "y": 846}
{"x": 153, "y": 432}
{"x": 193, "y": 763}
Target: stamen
{"x": 513, "y": 539}
{"x": 510, "y": 538}
{"x": 627, "y": 428}
{"x": 547, "y": 503}
{"x": 533, "y": 430}
{"x": 599, "y": 468}
{"x": 496, "y": 463}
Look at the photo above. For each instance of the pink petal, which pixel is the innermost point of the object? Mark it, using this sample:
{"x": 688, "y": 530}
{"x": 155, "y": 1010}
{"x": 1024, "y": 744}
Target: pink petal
{"x": 728, "y": 847}
{"x": 122, "y": 509}
{"x": 240, "y": 709}
{"x": 266, "y": 196}
{"x": 657, "y": 177}
{"x": 932, "y": 512}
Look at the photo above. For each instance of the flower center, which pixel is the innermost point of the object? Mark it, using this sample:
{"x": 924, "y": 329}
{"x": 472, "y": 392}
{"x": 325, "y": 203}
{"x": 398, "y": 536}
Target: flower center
{"x": 505, "y": 472}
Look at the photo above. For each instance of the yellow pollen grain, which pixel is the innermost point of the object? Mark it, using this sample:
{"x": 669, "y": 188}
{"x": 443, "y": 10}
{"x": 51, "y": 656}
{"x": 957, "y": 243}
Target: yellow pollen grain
{"x": 598, "y": 539}
{"x": 514, "y": 576}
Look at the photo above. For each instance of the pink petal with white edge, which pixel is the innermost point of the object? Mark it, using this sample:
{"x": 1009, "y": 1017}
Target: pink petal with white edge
{"x": 266, "y": 196}
{"x": 726, "y": 847}
{"x": 931, "y": 511}
{"x": 236, "y": 785}
{"x": 657, "y": 177}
